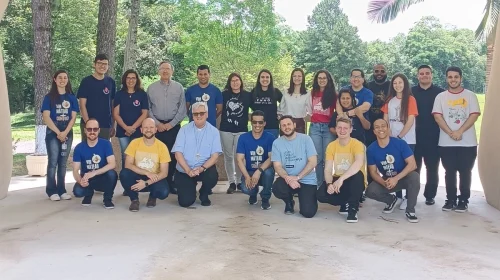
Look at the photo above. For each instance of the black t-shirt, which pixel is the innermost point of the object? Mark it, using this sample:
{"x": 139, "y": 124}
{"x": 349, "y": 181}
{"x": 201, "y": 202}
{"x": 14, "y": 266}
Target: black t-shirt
{"x": 426, "y": 128}
{"x": 358, "y": 132}
{"x": 99, "y": 95}
{"x": 131, "y": 106}
{"x": 235, "y": 111}
{"x": 268, "y": 103}
{"x": 380, "y": 92}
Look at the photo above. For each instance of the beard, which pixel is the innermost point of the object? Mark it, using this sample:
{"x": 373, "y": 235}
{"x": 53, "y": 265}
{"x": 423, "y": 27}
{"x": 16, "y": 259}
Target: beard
{"x": 149, "y": 136}
{"x": 380, "y": 78}
{"x": 289, "y": 134}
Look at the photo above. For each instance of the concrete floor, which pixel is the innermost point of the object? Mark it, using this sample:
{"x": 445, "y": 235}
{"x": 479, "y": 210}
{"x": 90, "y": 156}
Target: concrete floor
{"x": 40, "y": 239}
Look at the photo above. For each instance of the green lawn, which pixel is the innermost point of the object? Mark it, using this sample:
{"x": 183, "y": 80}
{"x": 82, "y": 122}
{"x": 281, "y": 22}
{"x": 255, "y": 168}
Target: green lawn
{"x": 23, "y": 127}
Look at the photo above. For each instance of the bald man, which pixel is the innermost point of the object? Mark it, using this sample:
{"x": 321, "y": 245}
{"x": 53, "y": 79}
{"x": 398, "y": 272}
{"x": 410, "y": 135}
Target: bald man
{"x": 146, "y": 167}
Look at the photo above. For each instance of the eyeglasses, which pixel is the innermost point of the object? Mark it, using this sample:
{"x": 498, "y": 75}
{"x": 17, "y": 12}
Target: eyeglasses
{"x": 257, "y": 122}
{"x": 90, "y": 129}
{"x": 101, "y": 63}
{"x": 200, "y": 114}
{"x": 380, "y": 71}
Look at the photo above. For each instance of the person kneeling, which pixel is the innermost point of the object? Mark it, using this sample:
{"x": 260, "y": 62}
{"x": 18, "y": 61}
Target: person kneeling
{"x": 345, "y": 187}
{"x": 94, "y": 167}
{"x": 146, "y": 167}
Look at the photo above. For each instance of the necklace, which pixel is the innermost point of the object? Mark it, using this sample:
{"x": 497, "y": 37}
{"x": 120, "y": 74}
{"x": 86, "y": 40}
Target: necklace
{"x": 198, "y": 144}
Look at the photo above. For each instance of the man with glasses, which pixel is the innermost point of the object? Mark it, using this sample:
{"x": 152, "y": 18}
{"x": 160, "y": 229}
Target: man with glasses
{"x": 253, "y": 155}
{"x": 380, "y": 88}
{"x": 96, "y": 94}
{"x": 94, "y": 166}
{"x": 196, "y": 149}
{"x": 167, "y": 107}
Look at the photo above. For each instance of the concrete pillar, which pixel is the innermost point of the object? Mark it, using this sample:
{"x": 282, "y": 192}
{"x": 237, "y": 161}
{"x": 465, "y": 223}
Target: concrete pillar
{"x": 5, "y": 136}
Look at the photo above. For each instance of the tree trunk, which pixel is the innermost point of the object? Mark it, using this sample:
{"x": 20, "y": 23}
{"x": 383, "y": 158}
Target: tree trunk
{"x": 42, "y": 56}
{"x": 129, "y": 60}
{"x": 5, "y": 128}
{"x": 106, "y": 31}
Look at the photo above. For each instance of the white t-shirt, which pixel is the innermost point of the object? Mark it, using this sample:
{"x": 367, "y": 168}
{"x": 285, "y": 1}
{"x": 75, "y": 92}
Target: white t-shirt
{"x": 296, "y": 105}
{"x": 456, "y": 109}
{"x": 393, "y": 110}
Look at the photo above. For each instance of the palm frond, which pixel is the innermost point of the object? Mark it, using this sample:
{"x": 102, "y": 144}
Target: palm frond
{"x": 383, "y": 11}
{"x": 490, "y": 19}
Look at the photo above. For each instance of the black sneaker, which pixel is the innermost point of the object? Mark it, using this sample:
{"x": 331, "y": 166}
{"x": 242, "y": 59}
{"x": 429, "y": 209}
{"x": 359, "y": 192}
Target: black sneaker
{"x": 87, "y": 201}
{"x": 108, "y": 204}
{"x": 462, "y": 207}
{"x": 238, "y": 187}
{"x": 430, "y": 201}
{"x": 412, "y": 218}
{"x": 352, "y": 216}
{"x": 265, "y": 205}
{"x": 231, "y": 189}
{"x": 449, "y": 205}
{"x": 390, "y": 207}
{"x": 252, "y": 200}
{"x": 289, "y": 207}
{"x": 343, "y": 209}
{"x": 205, "y": 201}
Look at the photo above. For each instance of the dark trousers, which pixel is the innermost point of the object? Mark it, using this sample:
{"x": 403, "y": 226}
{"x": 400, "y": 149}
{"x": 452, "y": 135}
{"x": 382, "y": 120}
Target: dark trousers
{"x": 168, "y": 138}
{"x": 350, "y": 192}
{"x": 459, "y": 159}
{"x": 430, "y": 156}
{"x": 128, "y": 178}
{"x": 411, "y": 183}
{"x": 57, "y": 160}
{"x": 307, "y": 196}
{"x": 105, "y": 183}
{"x": 186, "y": 186}
{"x": 399, "y": 194}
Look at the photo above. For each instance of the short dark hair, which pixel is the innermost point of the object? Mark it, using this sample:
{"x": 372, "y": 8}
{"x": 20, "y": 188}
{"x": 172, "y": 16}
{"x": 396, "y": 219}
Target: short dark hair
{"x": 101, "y": 56}
{"x": 287, "y": 117}
{"x": 454, "y": 69}
{"x": 137, "y": 86}
{"x": 258, "y": 113}
{"x": 424, "y": 66}
{"x": 203, "y": 67}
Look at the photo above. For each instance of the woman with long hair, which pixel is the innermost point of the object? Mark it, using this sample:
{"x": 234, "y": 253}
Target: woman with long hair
{"x": 265, "y": 97}
{"x": 59, "y": 108}
{"x": 359, "y": 122}
{"x": 323, "y": 100}
{"x": 298, "y": 101}
{"x": 236, "y": 102}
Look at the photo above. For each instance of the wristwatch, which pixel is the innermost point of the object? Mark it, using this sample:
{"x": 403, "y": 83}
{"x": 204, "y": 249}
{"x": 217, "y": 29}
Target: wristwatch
{"x": 261, "y": 170}
{"x": 204, "y": 168}
{"x": 146, "y": 184}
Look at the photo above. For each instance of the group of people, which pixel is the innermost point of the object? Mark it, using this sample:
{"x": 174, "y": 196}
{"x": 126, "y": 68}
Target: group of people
{"x": 369, "y": 138}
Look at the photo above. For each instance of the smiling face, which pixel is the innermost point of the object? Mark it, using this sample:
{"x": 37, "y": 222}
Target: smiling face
{"x": 287, "y": 127}
{"x": 101, "y": 66}
{"x": 398, "y": 84}
{"x": 356, "y": 79}
{"x": 322, "y": 80}
{"x": 61, "y": 80}
{"x": 235, "y": 84}
{"x": 148, "y": 128}
{"x": 297, "y": 78}
{"x": 131, "y": 80}
{"x": 203, "y": 76}
{"x": 200, "y": 116}
{"x": 454, "y": 79}
{"x": 343, "y": 129}
{"x": 379, "y": 73}
{"x": 258, "y": 124}
{"x": 92, "y": 130}
{"x": 265, "y": 79}
{"x": 424, "y": 76}
{"x": 380, "y": 129}
{"x": 346, "y": 100}
{"x": 165, "y": 71}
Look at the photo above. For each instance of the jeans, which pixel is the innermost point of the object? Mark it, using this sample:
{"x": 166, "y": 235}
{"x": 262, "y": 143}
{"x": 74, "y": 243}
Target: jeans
{"x": 459, "y": 159}
{"x": 186, "y": 186}
{"x": 411, "y": 183}
{"x": 399, "y": 194}
{"x": 56, "y": 161}
{"x": 273, "y": 131}
{"x": 229, "y": 141}
{"x": 307, "y": 196}
{"x": 430, "y": 156}
{"x": 321, "y": 136}
{"x": 350, "y": 192}
{"x": 129, "y": 178}
{"x": 266, "y": 181}
{"x": 104, "y": 183}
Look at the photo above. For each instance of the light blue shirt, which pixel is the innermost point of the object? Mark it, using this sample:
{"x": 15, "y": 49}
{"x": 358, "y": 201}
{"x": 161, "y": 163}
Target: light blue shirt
{"x": 197, "y": 145}
{"x": 293, "y": 155}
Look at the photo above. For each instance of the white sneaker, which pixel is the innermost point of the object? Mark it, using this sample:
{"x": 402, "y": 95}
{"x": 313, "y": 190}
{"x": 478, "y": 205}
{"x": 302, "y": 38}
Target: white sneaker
{"x": 66, "y": 196}
{"x": 55, "y": 197}
{"x": 403, "y": 204}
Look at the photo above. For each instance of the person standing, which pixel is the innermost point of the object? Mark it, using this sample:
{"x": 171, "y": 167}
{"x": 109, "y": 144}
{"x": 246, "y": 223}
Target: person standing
{"x": 167, "y": 107}
{"x": 456, "y": 110}
{"x": 234, "y": 122}
{"x": 380, "y": 88}
{"x": 427, "y": 131}
{"x": 96, "y": 94}
{"x": 265, "y": 98}
{"x": 204, "y": 91}
{"x": 59, "y": 108}
{"x": 297, "y": 102}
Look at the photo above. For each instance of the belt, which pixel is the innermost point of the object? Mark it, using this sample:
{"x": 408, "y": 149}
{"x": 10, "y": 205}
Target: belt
{"x": 167, "y": 121}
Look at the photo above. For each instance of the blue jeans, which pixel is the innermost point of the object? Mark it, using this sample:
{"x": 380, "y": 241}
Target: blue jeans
{"x": 274, "y": 131}
{"x": 56, "y": 160}
{"x": 124, "y": 142}
{"x": 129, "y": 178}
{"x": 321, "y": 136}
{"x": 105, "y": 183}
{"x": 266, "y": 181}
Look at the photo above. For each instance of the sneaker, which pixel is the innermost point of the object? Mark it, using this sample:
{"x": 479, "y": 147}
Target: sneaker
{"x": 151, "y": 202}
{"x": 238, "y": 187}
{"x": 289, "y": 207}
{"x": 173, "y": 190}
{"x": 65, "y": 196}
{"x": 265, "y": 205}
{"x": 205, "y": 201}
{"x": 87, "y": 201}
{"x": 462, "y": 207}
{"x": 430, "y": 201}
{"x": 343, "y": 209}
{"x": 134, "y": 206}
{"x": 449, "y": 205}
{"x": 252, "y": 200}
{"x": 125, "y": 193}
{"x": 231, "y": 189}
{"x": 108, "y": 204}
{"x": 412, "y": 218}
{"x": 55, "y": 197}
{"x": 390, "y": 207}
{"x": 404, "y": 203}
{"x": 352, "y": 216}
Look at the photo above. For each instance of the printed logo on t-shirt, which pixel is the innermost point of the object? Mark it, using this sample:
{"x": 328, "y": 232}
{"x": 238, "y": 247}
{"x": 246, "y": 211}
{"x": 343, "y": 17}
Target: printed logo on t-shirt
{"x": 318, "y": 107}
{"x": 235, "y": 111}
{"x": 137, "y": 103}
{"x": 205, "y": 97}
{"x": 105, "y": 90}
{"x": 62, "y": 111}
{"x": 263, "y": 100}
{"x": 93, "y": 163}
{"x": 344, "y": 165}
{"x": 291, "y": 158}
{"x": 388, "y": 165}
{"x": 96, "y": 158}
{"x": 256, "y": 157}
{"x": 378, "y": 102}
{"x": 396, "y": 115}
{"x": 457, "y": 112}
{"x": 356, "y": 101}
{"x": 66, "y": 104}
{"x": 146, "y": 163}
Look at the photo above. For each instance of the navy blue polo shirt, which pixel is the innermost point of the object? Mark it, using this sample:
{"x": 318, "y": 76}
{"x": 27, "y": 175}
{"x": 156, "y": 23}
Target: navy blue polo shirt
{"x": 131, "y": 106}
{"x": 99, "y": 95}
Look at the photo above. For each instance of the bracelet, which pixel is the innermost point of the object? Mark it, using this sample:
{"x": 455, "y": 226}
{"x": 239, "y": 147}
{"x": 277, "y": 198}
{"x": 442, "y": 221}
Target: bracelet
{"x": 204, "y": 168}
{"x": 261, "y": 170}
{"x": 399, "y": 137}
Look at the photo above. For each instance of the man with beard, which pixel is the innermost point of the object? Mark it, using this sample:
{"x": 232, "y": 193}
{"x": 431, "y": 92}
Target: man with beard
{"x": 146, "y": 167}
{"x": 294, "y": 159}
{"x": 94, "y": 166}
{"x": 456, "y": 110}
{"x": 380, "y": 88}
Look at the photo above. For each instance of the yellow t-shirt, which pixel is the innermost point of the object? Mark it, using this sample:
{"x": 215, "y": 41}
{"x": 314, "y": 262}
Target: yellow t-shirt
{"x": 148, "y": 157}
{"x": 343, "y": 156}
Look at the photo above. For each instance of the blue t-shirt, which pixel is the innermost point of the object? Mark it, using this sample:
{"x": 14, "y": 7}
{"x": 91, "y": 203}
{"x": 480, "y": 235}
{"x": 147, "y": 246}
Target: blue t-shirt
{"x": 92, "y": 158}
{"x": 362, "y": 96}
{"x": 390, "y": 160}
{"x": 293, "y": 155}
{"x": 60, "y": 111}
{"x": 211, "y": 94}
{"x": 255, "y": 150}
{"x": 99, "y": 95}
{"x": 131, "y": 106}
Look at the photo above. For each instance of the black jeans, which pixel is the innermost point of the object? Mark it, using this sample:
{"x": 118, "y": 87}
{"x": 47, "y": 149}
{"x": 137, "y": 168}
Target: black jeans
{"x": 168, "y": 138}
{"x": 459, "y": 159}
{"x": 350, "y": 192}
{"x": 129, "y": 178}
{"x": 430, "y": 156}
{"x": 399, "y": 194}
{"x": 104, "y": 183}
{"x": 186, "y": 186}
{"x": 307, "y": 196}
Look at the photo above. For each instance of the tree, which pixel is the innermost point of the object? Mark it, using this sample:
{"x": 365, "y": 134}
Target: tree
{"x": 106, "y": 31}
{"x": 129, "y": 60}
